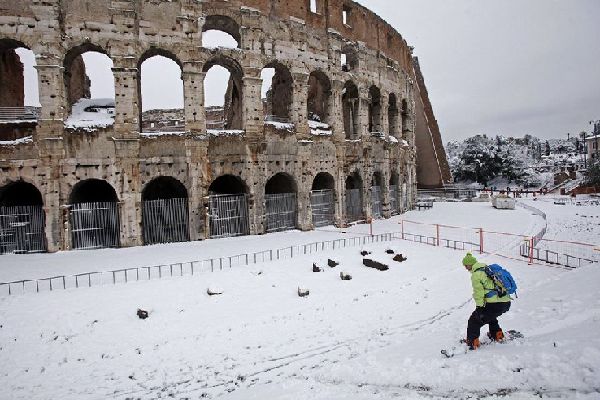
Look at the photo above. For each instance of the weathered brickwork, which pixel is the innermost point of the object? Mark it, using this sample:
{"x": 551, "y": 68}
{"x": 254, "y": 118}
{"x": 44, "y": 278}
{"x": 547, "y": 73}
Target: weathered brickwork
{"x": 372, "y": 123}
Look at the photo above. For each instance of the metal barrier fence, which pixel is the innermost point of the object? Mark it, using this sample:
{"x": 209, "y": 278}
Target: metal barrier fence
{"x": 228, "y": 215}
{"x": 19, "y": 113}
{"x": 354, "y": 210}
{"x": 22, "y": 229}
{"x": 376, "y": 207}
{"x": 165, "y": 221}
{"x": 94, "y": 225}
{"x": 191, "y": 268}
{"x": 323, "y": 207}
{"x": 448, "y": 193}
{"x": 280, "y": 212}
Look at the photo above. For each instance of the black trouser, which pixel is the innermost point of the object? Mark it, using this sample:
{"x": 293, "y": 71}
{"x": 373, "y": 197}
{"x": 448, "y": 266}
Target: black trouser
{"x": 484, "y": 316}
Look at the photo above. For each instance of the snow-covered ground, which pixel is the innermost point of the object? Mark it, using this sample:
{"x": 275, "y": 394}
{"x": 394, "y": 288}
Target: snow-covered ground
{"x": 377, "y": 336}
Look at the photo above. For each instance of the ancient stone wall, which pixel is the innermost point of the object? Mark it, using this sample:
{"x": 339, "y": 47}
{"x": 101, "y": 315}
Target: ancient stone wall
{"x": 11, "y": 79}
{"x": 268, "y": 32}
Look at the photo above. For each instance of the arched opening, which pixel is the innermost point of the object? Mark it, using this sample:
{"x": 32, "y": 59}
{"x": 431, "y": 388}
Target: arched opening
{"x": 374, "y": 110}
{"x": 319, "y": 96}
{"x": 393, "y": 113}
{"x": 394, "y": 194}
{"x": 223, "y": 95}
{"x": 276, "y": 93}
{"x": 376, "y": 195}
{"x": 161, "y": 93}
{"x": 349, "y": 58}
{"x": 280, "y": 203}
{"x": 165, "y": 213}
{"x": 19, "y": 94}
{"x": 228, "y": 207}
{"x": 22, "y": 219}
{"x": 350, "y": 109}
{"x": 354, "y": 208}
{"x": 322, "y": 199}
{"x": 90, "y": 87}
{"x": 94, "y": 215}
{"x": 220, "y": 31}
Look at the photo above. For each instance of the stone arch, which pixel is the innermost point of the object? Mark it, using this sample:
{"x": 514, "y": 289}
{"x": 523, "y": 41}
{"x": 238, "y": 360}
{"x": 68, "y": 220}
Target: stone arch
{"x": 394, "y": 190}
{"x": 323, "y": 181}
{"x": 12, "y": 74}
{"x": 393, "y": 114}
{"x": 228, "y": 184}
{"x": 351, "y": 108}
{"x": 354, "y": 197}
{"x": 281, "y": 210}
{"x": 228, "y": 207}
{"x": 161, "y": 116}
{"x": 231, "y": 115}
{"x": 20, "y": 193}
{"x": 322, "y": 199}
{"x": 93, "y": 191}
{"x": 319, "y": 94}
{"x": 223, "y": 23}
{"x": 165, "y": 215}
{"x": 279, "y": 97}
{"x": 164, "y": 187}
{"x": 94, "y": 215}
{"x": 77, "y": 82}
{"x": 22, "y": 218}
{"x": 374, "y": 109}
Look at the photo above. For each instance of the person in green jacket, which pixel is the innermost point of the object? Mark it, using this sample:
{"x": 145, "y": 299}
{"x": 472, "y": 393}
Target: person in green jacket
{"x": 489, "y": 306}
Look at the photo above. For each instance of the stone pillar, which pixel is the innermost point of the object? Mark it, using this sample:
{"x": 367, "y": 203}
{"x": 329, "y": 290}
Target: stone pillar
{"x": 304, "y": 204}
{"x": 299, "y": 111}
{"x": 193, "y": 95}
{"x": 127, "y": 101}
{"x": 385, "y": 189}
{"x": 385, "y": 121}
{"x": 336, "y": 114}
{"x": 52, "y": 97}
{"x": 252, "y": 105}
{"x": 196, "y": 152}
{"x": 363, "y": 113}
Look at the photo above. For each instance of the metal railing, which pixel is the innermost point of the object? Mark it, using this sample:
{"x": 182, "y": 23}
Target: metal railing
{"x": 354, "y": 211}
{"x": 376, "y": 202}
{"x": 228, "y": 215}
{"x": 280, "y": 212}
{"x": 22, "y": 229}
{"x": 94, "y": 225}
{"x": 165, "y": 221}
{"x": 448, "y": 193}
{"x": 322, "y": 207}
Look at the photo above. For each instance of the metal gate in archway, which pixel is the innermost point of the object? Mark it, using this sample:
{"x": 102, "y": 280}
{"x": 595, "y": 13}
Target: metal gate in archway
{"x": 376, "y": 207}
{"x": 394, "y": 199}
{"x": 228, "y": 215}
{"x": 94, "y": 225}
{"x": 353, "y": 205}
{"x": 323, "y": 207}
{"x": 165, "y": 221}
{"x": 280, "y": 212}
{"x": 22, "y": 229}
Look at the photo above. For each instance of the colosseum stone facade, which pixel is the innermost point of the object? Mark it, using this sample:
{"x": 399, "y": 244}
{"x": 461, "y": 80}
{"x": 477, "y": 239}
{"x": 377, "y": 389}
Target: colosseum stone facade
{"x": 334, "y": 143}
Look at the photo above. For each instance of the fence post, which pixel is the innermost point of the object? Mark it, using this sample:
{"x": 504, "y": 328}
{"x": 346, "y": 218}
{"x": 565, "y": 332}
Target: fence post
{"x": 437, "y": 234}
{"x": 480, "y": 240}
{"x": 531, "y": 244}
{"x": 402, "y": 223}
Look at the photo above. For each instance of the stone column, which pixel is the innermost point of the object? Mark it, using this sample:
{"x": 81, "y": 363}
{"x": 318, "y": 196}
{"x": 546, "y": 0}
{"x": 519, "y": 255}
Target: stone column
{"x": 193, "y": 94}
{"x": 336, "y": 114}
{"x": 385, "y": 121}
{"x": 299, "y": 111}
{"x": 127, "y": 101}
{"x": 196, "y": 152}
{"x": 363, "y": 113}
{"x": 52, "y": 98}
{"x": 252, "y": 105}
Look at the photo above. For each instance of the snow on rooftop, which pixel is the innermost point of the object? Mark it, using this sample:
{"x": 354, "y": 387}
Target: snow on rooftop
{"x": 83, "y": 118}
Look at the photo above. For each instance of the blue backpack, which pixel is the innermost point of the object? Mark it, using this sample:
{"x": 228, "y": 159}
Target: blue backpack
{"x": 504, "y": 284}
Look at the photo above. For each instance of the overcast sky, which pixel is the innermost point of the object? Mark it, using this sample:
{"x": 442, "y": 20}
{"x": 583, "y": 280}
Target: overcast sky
{"x": 507, "y": 67}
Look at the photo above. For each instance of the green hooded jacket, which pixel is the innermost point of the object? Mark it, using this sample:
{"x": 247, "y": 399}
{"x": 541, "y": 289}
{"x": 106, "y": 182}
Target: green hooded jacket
{"x": 483, "y": 284}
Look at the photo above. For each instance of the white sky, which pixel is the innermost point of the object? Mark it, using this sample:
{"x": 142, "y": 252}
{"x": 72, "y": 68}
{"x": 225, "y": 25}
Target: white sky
{"x": 506, "y": 67}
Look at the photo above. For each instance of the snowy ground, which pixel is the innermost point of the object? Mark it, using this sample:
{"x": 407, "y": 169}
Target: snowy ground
{"x": 377, "y": 336}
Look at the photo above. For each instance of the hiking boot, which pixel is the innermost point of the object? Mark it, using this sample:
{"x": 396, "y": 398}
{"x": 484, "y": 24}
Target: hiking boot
{"x": 496, "y": 337}
{"x": 473, "y": 344}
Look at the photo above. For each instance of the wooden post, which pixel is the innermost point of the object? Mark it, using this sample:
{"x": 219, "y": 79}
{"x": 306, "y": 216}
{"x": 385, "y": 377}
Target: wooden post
{"x": 480, "y": 240}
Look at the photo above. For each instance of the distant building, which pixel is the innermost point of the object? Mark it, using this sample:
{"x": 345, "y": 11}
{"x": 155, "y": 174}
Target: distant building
{"x": 592, "y": 144}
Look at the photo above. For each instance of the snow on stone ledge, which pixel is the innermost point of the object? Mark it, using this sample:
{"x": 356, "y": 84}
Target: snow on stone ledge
{"x": 158, "y": 134}
{"x": 102, "y": 116}
{"x": 283, "y": 126}
{"x": 16, "y": 142}
{"x": 392, "y": 139}
{"x": 227, "y": 132}
{"x": 319, "y": 128}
